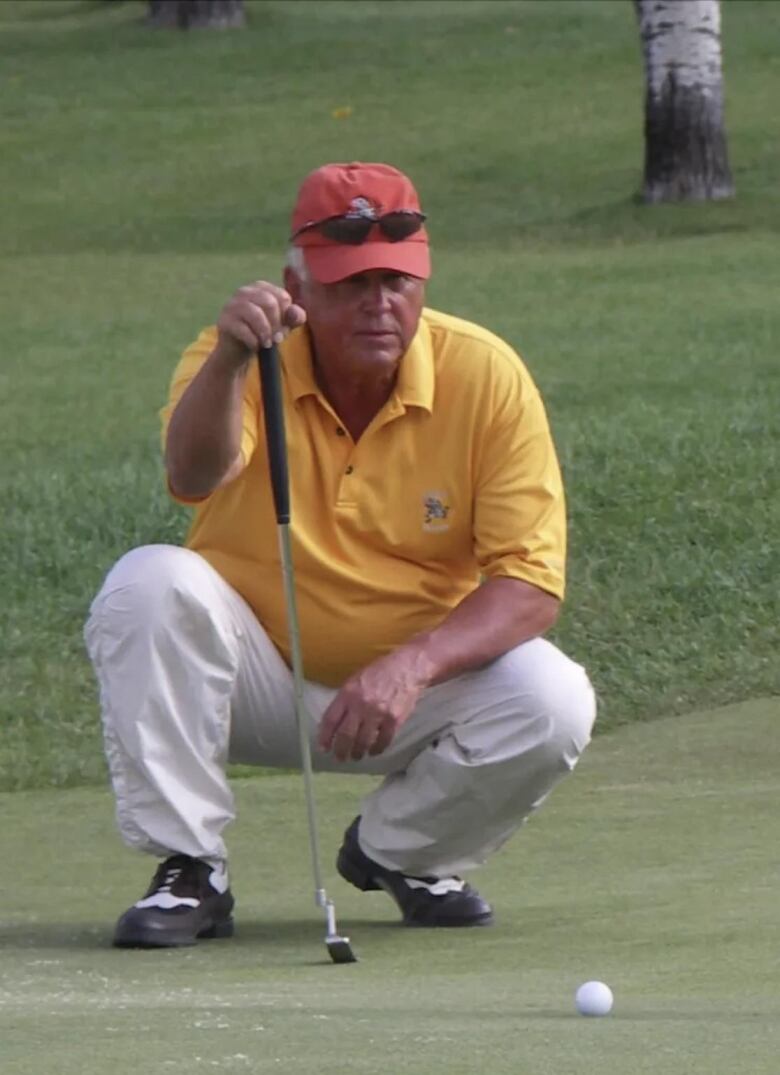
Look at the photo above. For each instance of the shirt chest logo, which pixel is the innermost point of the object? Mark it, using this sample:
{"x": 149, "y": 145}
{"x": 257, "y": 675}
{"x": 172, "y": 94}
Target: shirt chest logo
{"x": 436, "y": 510}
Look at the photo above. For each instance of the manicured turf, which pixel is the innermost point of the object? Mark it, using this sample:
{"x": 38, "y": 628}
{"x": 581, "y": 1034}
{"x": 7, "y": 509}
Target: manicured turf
{"x": 149, "y": 173}
{"x": 653, "y": 868}
{"x": 146, "y": 175}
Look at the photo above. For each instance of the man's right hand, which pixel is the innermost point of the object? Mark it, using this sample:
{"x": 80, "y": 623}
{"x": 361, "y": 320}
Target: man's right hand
{"x": 203, "y": 444}
{"x": 258, "y": 315}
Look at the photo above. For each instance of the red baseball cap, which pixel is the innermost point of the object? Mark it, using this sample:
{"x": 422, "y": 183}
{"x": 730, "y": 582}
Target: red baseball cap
{"x": 360, "y": 189}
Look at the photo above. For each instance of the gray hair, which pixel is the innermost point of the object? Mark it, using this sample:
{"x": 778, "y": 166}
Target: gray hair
{"x": 295, "y": 261}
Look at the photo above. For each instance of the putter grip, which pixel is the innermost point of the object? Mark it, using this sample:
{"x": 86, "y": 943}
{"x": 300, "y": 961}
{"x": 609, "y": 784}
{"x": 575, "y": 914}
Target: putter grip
{"x": 271, "y": 381}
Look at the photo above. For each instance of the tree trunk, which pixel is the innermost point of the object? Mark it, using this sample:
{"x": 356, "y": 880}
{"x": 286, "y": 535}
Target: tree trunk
{"x": 686, "y": 158}
{"x": 196, "y": 14}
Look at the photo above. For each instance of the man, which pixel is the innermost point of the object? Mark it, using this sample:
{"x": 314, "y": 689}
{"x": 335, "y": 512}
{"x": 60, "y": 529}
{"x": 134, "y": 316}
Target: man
{"x": 429, "y": 542}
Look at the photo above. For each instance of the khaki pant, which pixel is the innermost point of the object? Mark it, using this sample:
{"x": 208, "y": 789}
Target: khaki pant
{"x": 189, "y": 680}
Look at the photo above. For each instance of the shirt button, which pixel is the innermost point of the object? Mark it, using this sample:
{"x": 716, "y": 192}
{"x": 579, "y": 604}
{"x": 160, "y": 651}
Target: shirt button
{"x": 340, "y": 432}
{"x": 349, "y": 469}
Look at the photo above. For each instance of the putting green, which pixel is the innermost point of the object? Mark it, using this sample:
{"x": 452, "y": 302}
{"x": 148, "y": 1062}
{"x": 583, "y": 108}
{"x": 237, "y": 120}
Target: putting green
{"x": 654, "y": 869}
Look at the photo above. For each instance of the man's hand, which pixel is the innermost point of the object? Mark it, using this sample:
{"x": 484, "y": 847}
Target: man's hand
{"x": 203, "y": 444}
{"x": 372, "y": 705}
{"x": 258, "y": 315}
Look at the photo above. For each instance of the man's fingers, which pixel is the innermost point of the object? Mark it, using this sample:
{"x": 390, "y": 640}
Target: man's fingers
{"x": 384, "y": 737}
{"x": 353, "y": 736}
{"x": 259, "y": 321}
{"x": 294, "y": 316}
{"x": 352, "y": 726}
{"x": 348, "y": 734}
{"x": 278, "y": 305}
{"x": 331, "y": 719}
{"x": 241, "y": 332}
{"x": 344, "y": 738}
{"x": 364, "y": 738}
{"x": 260, "y": 292}
{"x": 266, "y": 310}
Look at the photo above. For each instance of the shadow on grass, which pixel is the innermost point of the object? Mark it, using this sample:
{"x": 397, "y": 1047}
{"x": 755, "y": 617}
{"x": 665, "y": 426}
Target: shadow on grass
{"x": 629, "y": 222}
{"x": 308, "y": 936}
{"x": 631, "y": 1015}
{"x": 291, "y": 930}
{"x": 57, "y": 935}
{"x": 67, "y": 9}
{"x": 702, "y": 1015}
{"x": 231, "y": 230}
{"x": 289, "y": 933}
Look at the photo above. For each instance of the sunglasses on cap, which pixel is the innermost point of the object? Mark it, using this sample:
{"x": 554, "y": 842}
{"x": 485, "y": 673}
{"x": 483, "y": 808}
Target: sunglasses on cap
{"x": 354, "y": 228}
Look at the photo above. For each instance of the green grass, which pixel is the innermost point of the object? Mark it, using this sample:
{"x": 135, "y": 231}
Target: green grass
{"x": 148, "y": 174}
{"x": 652, "y": 869}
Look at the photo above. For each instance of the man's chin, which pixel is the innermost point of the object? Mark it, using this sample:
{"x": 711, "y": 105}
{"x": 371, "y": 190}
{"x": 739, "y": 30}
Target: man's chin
{"x": 384, "y": 349}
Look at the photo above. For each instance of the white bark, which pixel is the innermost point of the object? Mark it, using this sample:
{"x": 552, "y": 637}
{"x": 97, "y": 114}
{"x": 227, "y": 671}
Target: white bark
{"x": 685, "y": 143}
{"x": 684, "y": 37}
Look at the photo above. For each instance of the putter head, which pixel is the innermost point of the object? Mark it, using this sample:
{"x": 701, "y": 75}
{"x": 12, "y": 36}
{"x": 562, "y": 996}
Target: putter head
{"x": 339, "y": 949}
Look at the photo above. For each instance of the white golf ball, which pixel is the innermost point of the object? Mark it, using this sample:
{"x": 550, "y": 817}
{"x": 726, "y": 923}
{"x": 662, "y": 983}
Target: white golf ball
{"x": 594, "y": 998}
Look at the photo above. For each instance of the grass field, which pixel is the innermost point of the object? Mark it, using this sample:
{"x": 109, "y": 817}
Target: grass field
{"x": 145, "y": 175}
{"x": 653, "y": 869}
{"x": 150, "y": 173}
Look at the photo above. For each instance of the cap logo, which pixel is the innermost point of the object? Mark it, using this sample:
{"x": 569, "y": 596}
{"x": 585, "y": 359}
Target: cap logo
{"x": 361, "y": 207}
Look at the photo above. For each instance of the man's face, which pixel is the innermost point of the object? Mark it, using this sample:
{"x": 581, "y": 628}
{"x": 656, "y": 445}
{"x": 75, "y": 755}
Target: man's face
{"x": 368, "y": 319}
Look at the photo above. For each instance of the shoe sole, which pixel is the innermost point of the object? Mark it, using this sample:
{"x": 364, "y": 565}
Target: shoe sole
{"x": 170, "y": 939}
{"x": 480, "y": 921}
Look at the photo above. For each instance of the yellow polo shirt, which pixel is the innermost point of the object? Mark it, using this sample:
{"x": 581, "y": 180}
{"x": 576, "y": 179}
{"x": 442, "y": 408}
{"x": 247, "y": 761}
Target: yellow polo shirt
{"x": 455, "y": 478}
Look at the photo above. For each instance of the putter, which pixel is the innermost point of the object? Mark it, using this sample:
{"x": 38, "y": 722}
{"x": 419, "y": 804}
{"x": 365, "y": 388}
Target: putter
{"x": 339, "y": 948}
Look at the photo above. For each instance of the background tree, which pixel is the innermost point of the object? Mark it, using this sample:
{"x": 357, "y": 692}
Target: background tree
{"x": 686, "y": 157}
{"x": 196, "y": 14}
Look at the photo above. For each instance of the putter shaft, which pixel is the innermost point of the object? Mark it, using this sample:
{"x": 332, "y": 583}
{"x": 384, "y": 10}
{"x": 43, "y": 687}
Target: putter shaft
{"x": 273, "y": 408}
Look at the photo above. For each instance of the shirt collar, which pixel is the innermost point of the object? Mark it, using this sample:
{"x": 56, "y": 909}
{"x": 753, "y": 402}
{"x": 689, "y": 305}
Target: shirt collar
{"x": 296, "y": 359}
{"x": 414, "y": 387}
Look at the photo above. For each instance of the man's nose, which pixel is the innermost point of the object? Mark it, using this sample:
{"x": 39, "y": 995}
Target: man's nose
{"x": 377, "y": 294}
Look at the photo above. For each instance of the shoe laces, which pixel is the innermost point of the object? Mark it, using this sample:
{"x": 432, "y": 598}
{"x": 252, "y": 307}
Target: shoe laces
{"x": 179, "y": 871}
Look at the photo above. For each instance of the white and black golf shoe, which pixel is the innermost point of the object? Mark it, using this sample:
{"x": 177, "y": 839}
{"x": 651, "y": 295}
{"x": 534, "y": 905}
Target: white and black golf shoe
{"x": 187, "y": 900}
{"x": 424, "y": 901}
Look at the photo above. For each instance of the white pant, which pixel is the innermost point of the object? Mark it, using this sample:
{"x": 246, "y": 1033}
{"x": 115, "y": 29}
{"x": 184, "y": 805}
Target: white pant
{"x": 189, "y": 680}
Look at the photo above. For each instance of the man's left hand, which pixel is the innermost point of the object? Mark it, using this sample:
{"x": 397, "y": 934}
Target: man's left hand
{"x": 372, "y": 705}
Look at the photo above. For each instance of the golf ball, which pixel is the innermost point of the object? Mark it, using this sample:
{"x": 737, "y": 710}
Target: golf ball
{"x": 594, "y": 998}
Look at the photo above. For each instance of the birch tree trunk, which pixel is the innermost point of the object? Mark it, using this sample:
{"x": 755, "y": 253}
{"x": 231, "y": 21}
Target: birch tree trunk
{"x": 686, "y": 157}
{"x": 196, "y": 14}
